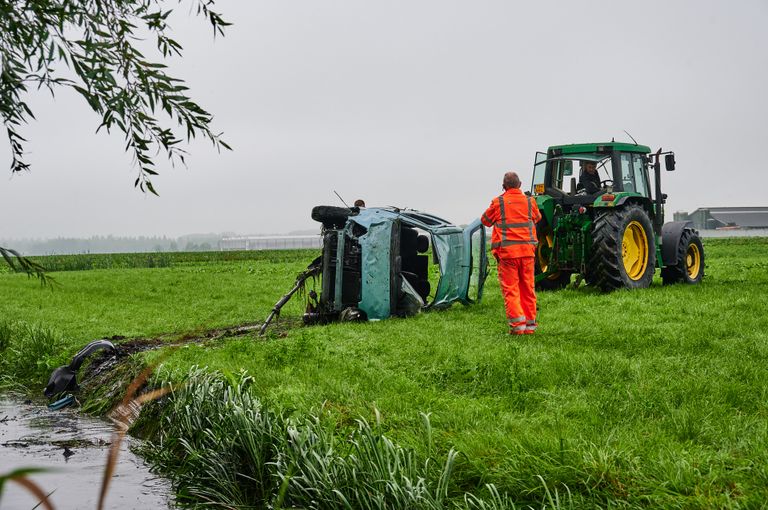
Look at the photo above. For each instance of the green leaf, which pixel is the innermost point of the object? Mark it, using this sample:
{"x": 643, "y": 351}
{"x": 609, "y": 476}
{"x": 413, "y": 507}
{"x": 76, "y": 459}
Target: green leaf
{"x": 151, "y": 188}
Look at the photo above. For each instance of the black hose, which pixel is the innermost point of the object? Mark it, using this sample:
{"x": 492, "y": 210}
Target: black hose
{"x": 89, "y": 349}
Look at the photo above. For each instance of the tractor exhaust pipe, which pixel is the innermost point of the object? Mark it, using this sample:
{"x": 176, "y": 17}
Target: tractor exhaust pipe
{"x": 658, "y": 218}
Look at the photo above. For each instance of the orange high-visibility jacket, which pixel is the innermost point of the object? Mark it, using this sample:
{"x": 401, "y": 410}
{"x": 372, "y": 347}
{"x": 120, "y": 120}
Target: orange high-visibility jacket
{"x": 513, "y": 216}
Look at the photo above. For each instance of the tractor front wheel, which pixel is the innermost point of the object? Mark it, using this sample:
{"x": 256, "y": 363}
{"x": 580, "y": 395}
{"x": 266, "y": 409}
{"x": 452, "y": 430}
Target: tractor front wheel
{"x": 557, "y": 280}
{"x": 690, "y": 260}
{"x": 623, "y": 250}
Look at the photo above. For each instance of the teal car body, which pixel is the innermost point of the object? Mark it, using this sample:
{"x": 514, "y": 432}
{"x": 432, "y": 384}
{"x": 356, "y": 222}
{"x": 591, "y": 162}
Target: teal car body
{"x": 383, "y": 261}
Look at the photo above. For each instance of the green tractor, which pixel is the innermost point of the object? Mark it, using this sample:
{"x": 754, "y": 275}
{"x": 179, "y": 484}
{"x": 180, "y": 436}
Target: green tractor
{"x": 605, "y": 224}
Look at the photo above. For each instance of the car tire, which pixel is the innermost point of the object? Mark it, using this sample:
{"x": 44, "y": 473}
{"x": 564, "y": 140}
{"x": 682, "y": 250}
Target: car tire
{"x": 331, "y": 216}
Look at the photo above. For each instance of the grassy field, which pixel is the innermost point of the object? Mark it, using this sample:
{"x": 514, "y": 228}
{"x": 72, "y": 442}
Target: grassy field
{"x": 88, "y": 261}
{"x": 653, "y": 398}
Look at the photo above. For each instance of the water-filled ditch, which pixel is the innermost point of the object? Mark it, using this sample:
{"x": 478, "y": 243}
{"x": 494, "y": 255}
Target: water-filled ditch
{"x": 73, "y": 448}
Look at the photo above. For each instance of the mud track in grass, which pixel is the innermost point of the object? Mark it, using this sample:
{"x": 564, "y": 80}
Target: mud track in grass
{"x": 104, "y": 361}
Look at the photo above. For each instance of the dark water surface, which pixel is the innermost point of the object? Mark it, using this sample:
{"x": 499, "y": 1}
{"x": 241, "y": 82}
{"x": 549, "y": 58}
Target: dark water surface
{"x": 33, "y": 436}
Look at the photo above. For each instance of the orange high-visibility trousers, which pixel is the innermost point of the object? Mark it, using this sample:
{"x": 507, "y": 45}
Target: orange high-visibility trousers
{"x": 516, "y": 278}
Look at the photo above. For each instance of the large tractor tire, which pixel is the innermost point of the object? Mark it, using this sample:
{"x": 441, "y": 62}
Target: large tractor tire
{"x": 690, "y": 260}
{"x": 557, "y": 280}
{"x": 623, "y": 250}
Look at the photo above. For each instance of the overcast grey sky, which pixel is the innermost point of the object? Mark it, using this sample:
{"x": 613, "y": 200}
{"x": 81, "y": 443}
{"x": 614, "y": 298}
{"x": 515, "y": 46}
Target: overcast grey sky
{"x": 421, "y": 104}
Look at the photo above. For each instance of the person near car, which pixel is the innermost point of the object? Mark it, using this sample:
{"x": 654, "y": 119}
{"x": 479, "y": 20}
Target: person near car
{"x": 589, "y": 179}
{"x": 513, "y": 216}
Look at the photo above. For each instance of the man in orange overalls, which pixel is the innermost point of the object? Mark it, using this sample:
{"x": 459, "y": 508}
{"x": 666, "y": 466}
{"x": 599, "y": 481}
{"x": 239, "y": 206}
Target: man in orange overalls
{"x": 513, "y": 216}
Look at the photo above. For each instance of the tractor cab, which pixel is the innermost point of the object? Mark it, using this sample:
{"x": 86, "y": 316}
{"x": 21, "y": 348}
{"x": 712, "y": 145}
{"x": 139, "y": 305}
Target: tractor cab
{"x": 578, "y": 174}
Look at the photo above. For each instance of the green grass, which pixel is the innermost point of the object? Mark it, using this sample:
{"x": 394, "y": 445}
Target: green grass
{"x": 86, "y": 262}
{"x": 85, "y": 305}
{"x": 653, "y": 398}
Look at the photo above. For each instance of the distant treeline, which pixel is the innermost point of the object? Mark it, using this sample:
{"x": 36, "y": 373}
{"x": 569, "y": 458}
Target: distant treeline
{"x": 112, "y": 244}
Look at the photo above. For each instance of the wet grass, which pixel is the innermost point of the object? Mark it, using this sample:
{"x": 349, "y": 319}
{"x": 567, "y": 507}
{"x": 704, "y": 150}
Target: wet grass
{"x": 89, "y": 261}
{"x": 654, "y": 398}
{"x": 31, "y": 350}
{"x": 148, "y": 302}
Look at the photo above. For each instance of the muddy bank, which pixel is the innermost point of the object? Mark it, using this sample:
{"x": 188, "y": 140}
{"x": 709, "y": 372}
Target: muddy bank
{"x": 74, "y": 447}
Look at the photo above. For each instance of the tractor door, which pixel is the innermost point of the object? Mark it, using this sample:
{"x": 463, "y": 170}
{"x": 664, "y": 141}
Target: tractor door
{"x": 633, "y": 174}
{"x": 539, "y": 174}
{"x": 475, "y": 261}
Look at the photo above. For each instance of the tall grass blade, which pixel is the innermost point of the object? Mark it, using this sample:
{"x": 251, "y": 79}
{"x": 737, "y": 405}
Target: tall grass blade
{"x": 123, "y": 415}
{"x": 34, "y": 489}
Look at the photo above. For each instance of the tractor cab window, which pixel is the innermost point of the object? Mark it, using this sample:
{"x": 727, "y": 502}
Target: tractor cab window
{"x": 633, "y": 174}
{"x": 641, "y": 181}
{"x": 605, "y": 170}
{"x": 627, "y": 177}
{"x": 603, "y": 176}
{"x": 562, "y": 172}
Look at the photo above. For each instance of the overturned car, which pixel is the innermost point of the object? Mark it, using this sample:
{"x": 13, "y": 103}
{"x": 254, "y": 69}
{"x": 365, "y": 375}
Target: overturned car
{"x": 378, "y": 262}
{"x": 383, "y": 261}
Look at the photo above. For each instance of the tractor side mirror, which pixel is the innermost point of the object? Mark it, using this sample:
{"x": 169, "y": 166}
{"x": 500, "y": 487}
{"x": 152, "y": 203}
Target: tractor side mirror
{"x": 669, "y": 162}
{"x": 567, "y": 167}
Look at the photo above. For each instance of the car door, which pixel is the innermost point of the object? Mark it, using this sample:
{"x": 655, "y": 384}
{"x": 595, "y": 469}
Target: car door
{"x": 474, "y": 262}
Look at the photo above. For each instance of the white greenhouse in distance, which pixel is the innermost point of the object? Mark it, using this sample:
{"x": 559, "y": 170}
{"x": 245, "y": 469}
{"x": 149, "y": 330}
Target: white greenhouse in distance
{"x": 270, "y": 242}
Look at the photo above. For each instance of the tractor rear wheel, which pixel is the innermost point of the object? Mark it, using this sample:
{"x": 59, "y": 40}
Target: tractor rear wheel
{"x": 690, "y": 260}
{"x": 623, "y": 250}
{"x": 557, "y": 280}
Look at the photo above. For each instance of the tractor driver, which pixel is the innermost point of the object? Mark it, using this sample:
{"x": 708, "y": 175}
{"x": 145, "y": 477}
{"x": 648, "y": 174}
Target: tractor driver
{"x": 589, "y": 180}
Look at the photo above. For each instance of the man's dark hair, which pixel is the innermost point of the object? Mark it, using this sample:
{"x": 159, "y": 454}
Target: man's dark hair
{"x": 511, "y": 180}
{"x": 359, "y": 203}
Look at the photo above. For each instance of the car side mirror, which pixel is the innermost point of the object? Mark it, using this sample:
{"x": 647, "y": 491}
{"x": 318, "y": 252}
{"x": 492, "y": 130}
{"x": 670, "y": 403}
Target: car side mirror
{"x": 669, "y": 162}
{"x": 568, "y": 167}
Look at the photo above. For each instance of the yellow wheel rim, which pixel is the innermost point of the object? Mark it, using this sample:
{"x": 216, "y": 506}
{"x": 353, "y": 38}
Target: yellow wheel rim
{"x": 692, "y": 261}
{"x": 544, "y": 252}
{"x": 634, "y": 250}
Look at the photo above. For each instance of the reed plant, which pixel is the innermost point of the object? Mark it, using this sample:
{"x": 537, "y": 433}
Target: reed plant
{"x": 30, "y": 349}
{"x": 222, "y": 447}
{"x": 216, "y": 441}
